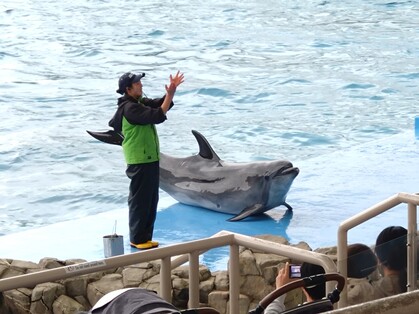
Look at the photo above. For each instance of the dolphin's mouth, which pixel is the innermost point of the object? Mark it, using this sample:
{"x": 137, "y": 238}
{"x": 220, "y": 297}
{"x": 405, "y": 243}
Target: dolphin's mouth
{"x": 288, "y": 170}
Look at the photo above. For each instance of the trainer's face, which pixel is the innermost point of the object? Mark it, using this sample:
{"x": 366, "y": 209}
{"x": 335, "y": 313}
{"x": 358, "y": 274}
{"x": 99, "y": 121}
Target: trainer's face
{"x": 136, "y": 90}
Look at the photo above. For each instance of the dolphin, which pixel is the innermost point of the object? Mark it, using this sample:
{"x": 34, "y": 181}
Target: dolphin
{"x": 204, "y": 180}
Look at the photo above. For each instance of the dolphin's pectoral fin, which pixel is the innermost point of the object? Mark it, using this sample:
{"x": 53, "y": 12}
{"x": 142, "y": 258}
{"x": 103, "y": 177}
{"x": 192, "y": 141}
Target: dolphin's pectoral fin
{"x": 288, "y": 206}
{"x": 205, "y": 149}
{"x": 254, "y": 209}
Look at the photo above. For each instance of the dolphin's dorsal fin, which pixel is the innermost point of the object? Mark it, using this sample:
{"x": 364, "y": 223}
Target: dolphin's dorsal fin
{"x": 205, "y": 149}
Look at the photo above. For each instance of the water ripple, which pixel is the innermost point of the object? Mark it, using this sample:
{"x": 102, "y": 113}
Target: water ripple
{"x": 262, "y": 81}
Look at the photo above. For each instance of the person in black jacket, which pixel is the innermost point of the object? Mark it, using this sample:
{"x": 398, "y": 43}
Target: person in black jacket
{"x": 135, "y": 118}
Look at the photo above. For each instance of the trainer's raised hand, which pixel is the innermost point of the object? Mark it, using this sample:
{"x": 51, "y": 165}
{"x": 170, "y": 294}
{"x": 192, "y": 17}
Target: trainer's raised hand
{"x": 175, "y": 81}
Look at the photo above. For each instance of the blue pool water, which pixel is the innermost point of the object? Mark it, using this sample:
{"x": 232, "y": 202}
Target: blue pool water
{"x": 316, "y": 83}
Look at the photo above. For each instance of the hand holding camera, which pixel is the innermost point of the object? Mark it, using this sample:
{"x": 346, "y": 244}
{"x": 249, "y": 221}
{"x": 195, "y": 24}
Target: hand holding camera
{"x": 287, "y": 274}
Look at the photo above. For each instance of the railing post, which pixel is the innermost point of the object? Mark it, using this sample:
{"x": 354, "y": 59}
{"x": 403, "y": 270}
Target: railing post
{"x": 342, "y": 264}
{"x": 193, "y": 279}
{"x": 234, "y": 280}
{"x": 411, "y": 247}
{"x": 166, "y": 279}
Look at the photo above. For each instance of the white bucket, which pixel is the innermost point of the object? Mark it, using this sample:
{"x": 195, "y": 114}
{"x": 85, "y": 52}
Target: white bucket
{"x": 113, "y": 245}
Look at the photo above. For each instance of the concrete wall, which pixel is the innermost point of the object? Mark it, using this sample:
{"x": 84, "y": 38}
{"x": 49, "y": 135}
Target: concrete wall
{"x": 405, "y": 303}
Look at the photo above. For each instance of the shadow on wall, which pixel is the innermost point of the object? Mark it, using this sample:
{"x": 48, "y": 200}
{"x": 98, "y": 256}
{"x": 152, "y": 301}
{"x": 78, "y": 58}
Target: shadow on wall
{"x": 3, "y": 308}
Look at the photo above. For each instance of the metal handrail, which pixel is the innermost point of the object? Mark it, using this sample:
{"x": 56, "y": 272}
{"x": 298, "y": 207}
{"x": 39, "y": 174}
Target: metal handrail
{"x": 188, "y": 251}
{"x": 175, "y": 255}
{"x": 412, "y": 200}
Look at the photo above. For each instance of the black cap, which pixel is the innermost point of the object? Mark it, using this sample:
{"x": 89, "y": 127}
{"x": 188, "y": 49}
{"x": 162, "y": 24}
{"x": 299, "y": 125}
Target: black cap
{"x": 127, "y": 79}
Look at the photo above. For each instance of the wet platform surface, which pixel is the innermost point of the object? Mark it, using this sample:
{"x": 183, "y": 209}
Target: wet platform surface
{"x": 328, "y": 190}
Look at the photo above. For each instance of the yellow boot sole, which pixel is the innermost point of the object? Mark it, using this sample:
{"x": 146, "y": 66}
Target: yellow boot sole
{"x": 142, "y": 246}
{"x": 153, "y": 243}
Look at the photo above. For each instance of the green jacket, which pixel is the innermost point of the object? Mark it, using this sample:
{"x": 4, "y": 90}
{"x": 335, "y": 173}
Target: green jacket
{"x": 141, "y": 143}
{"x": 136, "y": 121}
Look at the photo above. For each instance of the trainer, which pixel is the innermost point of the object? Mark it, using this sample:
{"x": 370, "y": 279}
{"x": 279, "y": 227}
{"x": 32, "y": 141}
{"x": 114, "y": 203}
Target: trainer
{"x": 136, "y": 117}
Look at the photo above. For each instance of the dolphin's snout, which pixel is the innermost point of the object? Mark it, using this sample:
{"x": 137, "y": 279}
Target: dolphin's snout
{"x": 292, "y": 169}
{"x": 288, "y": 170}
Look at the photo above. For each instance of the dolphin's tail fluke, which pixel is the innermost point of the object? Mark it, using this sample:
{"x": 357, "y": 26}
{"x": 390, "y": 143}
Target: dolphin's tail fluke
{"x": 109, "y": 137}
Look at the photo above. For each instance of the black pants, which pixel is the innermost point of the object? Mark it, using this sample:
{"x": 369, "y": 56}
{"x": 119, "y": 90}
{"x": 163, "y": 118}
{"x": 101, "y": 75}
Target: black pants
{"x": 142, "y": 200}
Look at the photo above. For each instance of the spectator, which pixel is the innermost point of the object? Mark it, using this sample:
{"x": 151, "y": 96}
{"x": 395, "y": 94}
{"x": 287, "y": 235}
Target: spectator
{"x": 361, "y": 262}
{"x": 131, "y": 300}
{"x": 139, "y": 301}
{"x": 390, "y": 248}
{"x": 311, "y": 293}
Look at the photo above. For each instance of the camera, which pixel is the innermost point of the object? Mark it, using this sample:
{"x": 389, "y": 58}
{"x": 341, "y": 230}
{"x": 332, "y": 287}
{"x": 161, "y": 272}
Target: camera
{"x": 295, "y": 271}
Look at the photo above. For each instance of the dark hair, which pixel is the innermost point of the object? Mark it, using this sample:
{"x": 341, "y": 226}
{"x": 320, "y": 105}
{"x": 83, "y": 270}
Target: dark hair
{"x": 4, "y": 309}
{"x": 390, "y": 248}
{"x": 307, "y": 270}
{"x": 361, "y": 260}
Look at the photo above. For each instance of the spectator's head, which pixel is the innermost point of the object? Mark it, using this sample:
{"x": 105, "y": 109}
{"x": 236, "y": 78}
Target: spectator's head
{"x": 361, "y": 261}
{"x": 391, "y": 252}
{"x": 315, "y": 292}
{"x": 390, "y": 247}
